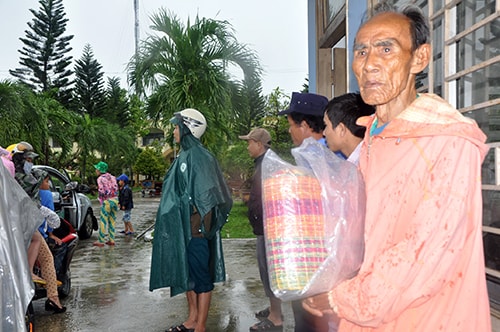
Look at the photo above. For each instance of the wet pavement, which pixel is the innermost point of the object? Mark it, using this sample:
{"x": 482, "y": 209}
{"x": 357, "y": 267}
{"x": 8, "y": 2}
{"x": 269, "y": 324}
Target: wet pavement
{"x": 110, "y": 287}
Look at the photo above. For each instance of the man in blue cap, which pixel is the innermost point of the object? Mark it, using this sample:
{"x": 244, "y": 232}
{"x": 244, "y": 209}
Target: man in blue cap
{"x": 305, "y": 118}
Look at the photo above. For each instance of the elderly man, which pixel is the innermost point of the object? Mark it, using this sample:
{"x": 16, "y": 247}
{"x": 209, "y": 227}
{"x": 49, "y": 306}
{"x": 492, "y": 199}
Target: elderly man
{"x": 421, "y": 159}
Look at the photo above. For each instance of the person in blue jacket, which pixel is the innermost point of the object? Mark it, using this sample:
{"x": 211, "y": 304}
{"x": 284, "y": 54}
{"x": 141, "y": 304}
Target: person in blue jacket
{"x": 187, "y": 249}
{"x": 125, "y": 203}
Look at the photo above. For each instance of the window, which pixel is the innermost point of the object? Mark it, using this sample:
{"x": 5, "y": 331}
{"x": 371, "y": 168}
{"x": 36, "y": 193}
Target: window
{"x": 332, "y": 7}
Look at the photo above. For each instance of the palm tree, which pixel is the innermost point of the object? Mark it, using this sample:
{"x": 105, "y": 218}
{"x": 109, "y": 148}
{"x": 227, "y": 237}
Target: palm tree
{"x": 188, "y": 66}
{"x": 113, "y": 144}
{"x": 33, "y": 117}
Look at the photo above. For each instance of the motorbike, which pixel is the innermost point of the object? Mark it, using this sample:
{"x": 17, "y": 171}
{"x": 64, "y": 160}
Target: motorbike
{"x": 63, "y": 254}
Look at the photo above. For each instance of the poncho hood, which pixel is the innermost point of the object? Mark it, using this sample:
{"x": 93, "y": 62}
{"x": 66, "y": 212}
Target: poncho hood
{"x": 430, "y": 115}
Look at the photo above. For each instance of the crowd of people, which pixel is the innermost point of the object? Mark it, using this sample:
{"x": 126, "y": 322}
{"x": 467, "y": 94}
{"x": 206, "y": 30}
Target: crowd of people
{"x": 43, "y": 243}
{"x": 423, "y": 266}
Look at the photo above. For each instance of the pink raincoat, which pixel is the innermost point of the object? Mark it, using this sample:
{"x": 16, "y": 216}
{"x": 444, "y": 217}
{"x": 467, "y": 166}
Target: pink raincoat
{"x": 424, "y": 265}
{"x": 107, "y": 187}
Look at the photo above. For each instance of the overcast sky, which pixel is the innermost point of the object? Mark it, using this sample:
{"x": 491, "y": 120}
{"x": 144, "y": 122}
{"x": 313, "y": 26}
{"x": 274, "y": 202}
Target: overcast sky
{"x": 275, "y": 29}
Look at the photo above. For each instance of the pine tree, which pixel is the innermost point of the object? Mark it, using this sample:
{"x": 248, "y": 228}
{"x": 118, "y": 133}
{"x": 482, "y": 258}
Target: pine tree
{"x": 117, "y": 103}
{"x": 44, "y": 57}
{"x": 89, "y": 85}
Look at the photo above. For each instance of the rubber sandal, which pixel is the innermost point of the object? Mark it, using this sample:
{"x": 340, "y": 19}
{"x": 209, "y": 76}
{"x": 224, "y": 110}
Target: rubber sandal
{"x": 109, "y": 243}
{"x": 98, "y": 244}
{"x": 179, "y": 328}
{"x": 263, "y": 313}
{"x": 266, "y": 325}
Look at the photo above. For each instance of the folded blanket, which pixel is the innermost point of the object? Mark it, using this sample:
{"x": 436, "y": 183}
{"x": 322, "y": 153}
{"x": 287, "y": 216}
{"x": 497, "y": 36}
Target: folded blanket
{"x": 294, "y": 228}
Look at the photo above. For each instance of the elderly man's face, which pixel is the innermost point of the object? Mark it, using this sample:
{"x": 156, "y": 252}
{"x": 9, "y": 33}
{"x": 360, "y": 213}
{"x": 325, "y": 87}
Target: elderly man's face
{"x": 383, "y": 58}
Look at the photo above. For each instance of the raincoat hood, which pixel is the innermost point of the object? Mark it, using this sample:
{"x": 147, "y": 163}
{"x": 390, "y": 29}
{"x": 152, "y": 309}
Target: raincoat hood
{"x": 430, "y": 115}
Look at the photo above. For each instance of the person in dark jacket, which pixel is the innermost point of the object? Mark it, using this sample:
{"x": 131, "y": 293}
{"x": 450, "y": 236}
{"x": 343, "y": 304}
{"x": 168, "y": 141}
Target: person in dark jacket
{"x": 125, "y": 203}
{"x": 259, "y": 142}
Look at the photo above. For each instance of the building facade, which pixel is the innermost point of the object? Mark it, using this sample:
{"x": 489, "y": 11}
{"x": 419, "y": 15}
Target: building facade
{"x": 464, "y": 70}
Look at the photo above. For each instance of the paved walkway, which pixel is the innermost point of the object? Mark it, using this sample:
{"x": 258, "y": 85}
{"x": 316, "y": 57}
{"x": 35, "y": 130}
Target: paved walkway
{"x": 110, "y": 288}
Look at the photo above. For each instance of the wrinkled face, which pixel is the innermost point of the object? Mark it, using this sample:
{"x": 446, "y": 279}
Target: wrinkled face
{"x": 254, "y": 148}
{"x": 177, "y": 134}
{"x": 383, "y": 57}
{"x": 296, "y": 131}
{"x": 333, "y": 139}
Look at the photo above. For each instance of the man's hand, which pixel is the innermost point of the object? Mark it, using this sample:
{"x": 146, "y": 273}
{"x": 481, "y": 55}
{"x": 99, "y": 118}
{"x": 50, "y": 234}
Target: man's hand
{"x": 319, "y": 305}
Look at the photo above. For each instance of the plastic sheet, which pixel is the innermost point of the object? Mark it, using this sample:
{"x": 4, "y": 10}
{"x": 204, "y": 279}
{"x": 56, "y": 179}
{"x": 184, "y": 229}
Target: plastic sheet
{"x": 19, "y": 218}
{"x": 313, "y": 220}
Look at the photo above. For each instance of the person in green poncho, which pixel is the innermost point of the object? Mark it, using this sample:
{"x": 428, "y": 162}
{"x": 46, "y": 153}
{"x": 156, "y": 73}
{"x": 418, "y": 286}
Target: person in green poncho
{"x": 187, "y": 248}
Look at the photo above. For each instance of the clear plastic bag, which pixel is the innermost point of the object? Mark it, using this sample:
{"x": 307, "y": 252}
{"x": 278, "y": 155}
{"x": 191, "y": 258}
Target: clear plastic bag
{"x": 19, "y": 219}
{"x": 313, "y": 220}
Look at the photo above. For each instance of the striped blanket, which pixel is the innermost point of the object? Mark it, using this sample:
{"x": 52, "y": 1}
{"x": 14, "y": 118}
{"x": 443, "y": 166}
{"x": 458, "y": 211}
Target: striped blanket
{"x": 294, "y": 228}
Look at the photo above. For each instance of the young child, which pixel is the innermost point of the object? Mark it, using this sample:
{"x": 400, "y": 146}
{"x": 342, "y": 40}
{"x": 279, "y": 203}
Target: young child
{"x": 125, "y": 202}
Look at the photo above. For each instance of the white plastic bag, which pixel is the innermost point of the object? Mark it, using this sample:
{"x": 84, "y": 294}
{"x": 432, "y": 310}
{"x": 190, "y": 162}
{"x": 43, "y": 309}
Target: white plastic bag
{"x": 313, "y": 220}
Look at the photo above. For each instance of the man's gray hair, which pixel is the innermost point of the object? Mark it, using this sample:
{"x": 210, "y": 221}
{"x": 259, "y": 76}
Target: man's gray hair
{"x": 419, "y": 26}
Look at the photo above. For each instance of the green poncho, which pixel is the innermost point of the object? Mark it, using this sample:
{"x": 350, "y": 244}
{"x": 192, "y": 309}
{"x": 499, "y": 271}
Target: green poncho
{"x": 193, "y": 181}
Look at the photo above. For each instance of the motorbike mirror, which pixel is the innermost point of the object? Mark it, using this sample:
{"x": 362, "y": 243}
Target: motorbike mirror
{"x": 83, "y": 188}
{"x": 71, "y": 185}
{"x": 56, "y": 196}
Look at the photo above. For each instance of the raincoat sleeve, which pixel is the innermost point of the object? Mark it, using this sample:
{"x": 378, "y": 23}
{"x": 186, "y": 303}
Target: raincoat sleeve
{"x": 172, "y": 233}
{"x": 211, "y": 194}
{"x": 433, "y": 239}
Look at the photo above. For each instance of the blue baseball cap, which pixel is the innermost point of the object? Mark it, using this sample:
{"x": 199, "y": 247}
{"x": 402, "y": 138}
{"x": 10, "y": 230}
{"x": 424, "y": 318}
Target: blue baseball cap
{"x": 306, "y": 103}
{"x": 123, "y": 178}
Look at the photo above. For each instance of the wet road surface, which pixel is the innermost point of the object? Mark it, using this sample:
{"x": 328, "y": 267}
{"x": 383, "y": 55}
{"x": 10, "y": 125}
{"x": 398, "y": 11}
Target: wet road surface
{"x": 110, "y": 287}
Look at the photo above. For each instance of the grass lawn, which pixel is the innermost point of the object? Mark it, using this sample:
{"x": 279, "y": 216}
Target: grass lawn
{"x": 238, "y": 225}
